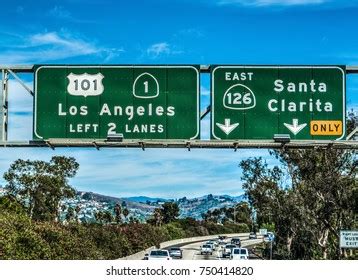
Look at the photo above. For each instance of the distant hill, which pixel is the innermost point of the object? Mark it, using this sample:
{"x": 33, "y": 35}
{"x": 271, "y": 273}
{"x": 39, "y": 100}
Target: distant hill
{"x": 111, "y": 201}
{"x": 195, "y": 207}
{"x": 142, "y": 207}
{"x": 144, "y": 199}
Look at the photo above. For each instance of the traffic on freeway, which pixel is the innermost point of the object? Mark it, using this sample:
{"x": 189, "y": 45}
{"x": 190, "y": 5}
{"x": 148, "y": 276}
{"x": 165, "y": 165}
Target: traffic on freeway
{"x": 221, "y": 248}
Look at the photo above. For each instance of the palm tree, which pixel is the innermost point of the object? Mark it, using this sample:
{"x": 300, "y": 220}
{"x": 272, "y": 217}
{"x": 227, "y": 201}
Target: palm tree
{"x": 158, "y": 217}
{"x": 125, "y": 213}
{"x": 118, "y": 212}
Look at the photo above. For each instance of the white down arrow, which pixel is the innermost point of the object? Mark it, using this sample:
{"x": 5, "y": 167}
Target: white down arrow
{"x": 295, "y": 127}
{"x": 227, "y": 127}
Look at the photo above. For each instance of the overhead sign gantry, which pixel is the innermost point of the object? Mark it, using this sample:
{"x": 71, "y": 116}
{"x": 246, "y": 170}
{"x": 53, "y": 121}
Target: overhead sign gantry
{"x": 158, "y": 106}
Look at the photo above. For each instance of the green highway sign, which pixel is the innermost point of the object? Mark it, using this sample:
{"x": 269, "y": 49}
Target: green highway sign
{"x": 139, "y": 102}
{"x": 257, "y": 102}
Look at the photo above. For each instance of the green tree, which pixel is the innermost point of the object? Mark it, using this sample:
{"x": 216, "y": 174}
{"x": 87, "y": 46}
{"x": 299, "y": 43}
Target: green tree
{"x": 104, "y": 217}
{"x": 156, "y": 219}
{"x": 77, "y": 212}
{"x": 107, "y": 217}
{"x": 308, "y": 210}
{"x": 325, "y": 182}
{"x": 242, "y": 213}
{"x": 170, "y": 212}
{"x": 70, "y": 215}
{"x": 40, "y": 186}
{"x": 99, "y": 216}
{"x": 125, "y": 213}
{"x": 118, "y": 213}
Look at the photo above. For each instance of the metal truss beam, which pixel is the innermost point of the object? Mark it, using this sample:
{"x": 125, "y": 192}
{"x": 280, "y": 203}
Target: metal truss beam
{"x": 198, "y": 144}
{"x": 18, "y": 68}
{"x": 21, "y": 82}
{"x": 203, "y": 68}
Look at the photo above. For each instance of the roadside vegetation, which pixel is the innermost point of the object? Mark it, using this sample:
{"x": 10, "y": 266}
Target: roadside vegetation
{"x": 25, "y": 238}
{"x": 30, "y": 227}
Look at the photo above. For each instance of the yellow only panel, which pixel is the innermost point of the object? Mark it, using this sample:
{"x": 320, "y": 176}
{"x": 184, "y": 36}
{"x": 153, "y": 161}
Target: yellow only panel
{"x": 326, "y": 128}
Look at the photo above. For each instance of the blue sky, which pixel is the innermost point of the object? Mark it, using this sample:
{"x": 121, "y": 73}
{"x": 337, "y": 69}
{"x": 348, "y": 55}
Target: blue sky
{"x": 168, "y": 32}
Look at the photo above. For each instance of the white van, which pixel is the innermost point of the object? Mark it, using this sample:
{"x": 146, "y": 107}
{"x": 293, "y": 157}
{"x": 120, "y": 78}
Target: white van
{"x": 239, "y": 254}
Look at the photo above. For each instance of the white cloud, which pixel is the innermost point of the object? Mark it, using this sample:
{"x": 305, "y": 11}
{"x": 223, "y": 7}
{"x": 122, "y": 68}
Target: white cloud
{"x": 204, "y": 91}
{"x": 262, "y": 3}
{"x": 205, "y": 128}
{"x": 161, "y": 50}
{"x": 20, "y": 111}
{"x": 53, "y": 38}
{"x": 20, "y": 100}
{"x": 59, "y": 12}
{"x": 52, "y": 46}
{"x": 158, "y": 49}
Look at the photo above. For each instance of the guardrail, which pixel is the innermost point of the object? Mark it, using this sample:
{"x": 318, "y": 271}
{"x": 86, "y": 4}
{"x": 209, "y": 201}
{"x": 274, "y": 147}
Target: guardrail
{"x": 138, "y": 256}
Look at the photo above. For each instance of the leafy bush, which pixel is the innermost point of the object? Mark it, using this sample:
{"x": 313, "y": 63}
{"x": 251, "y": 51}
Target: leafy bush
{"x": 18, "y": 240}
{"x": 174, "y": 231}
{"x": 23, "y": 238}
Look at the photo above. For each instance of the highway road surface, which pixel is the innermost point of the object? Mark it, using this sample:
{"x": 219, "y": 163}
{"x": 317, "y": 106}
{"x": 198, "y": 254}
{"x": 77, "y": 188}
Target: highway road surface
{"x": 192, "y": 251}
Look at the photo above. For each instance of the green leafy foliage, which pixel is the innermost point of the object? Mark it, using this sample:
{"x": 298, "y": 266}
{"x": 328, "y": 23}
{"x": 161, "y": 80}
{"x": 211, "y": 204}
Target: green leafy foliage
{"x": 170, "y": 212}
{"x": 39, "y": 186}
{"x": 311, "y": 206}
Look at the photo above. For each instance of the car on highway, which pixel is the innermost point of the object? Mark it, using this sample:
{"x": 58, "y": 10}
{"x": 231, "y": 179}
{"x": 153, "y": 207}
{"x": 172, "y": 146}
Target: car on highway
{"x": 236, "y": 241}
{"x": 206, "y": 249}
{"x": 239, "y": 254}
{"x": 252, "y": 235}
{"x": 216, "y": 242}
{"x": 158, "y": 255}
{"x": 226, "y": 252}
{"x": 222, "y": 243}
{"x": 213, "y": 243}
{"x": 176, "y": 252}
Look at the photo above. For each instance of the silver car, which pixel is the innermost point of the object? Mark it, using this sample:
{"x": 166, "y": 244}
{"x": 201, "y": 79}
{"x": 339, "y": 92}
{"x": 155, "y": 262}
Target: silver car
{"x": 228, "y": 249}
{"x": 176, "y": 252}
